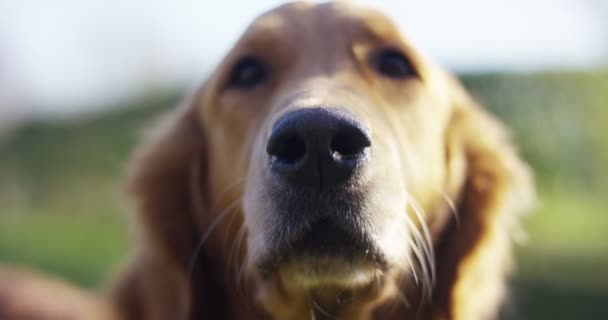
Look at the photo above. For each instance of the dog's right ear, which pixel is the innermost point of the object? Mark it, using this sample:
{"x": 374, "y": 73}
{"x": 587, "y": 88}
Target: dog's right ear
{"x": 493, "y": 188}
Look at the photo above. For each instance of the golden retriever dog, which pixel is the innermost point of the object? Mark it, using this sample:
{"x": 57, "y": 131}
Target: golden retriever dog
{"x": 325, "y": 170}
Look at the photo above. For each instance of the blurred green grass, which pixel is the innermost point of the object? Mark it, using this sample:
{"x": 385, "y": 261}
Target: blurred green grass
{"x": 62, "y": 209}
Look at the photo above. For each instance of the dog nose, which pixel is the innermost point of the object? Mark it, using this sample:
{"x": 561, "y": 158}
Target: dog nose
{"x": 318, "y": 147}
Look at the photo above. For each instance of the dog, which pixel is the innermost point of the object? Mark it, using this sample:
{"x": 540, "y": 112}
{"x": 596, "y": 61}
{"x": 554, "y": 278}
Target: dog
{"x": 325, "y": 170}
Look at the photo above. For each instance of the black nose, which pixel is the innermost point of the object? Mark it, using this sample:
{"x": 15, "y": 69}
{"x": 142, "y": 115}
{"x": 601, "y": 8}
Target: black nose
{"x": 317, "y": 147}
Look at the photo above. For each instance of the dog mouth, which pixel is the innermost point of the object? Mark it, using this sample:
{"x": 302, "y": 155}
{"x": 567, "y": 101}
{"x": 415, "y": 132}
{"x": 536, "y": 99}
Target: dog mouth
{"x": 326, "y": 253}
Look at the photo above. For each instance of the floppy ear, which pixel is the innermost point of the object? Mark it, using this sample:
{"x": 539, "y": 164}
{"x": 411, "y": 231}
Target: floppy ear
{"x": 161, "y": 176}
{"x": 167, "y": 178}
{"x": 493, "y": 187}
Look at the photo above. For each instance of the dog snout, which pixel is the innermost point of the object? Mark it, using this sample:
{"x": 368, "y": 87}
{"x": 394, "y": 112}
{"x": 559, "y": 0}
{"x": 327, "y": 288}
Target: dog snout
{"x": 318, "y": 147}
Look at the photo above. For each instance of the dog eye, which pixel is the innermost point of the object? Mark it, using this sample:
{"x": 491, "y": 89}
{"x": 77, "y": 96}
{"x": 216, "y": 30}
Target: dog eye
{"x": 247, "y": 73}
{"x": 394, "y": 64}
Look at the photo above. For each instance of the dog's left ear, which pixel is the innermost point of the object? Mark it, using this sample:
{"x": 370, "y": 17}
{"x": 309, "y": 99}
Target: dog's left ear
{"x": 163, "y": 173}
{"x": 167, "y": 179}
{"x": 492, "y": 187}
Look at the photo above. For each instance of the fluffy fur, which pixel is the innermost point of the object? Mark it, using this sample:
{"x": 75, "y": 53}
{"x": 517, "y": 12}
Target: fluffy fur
{"x": 467, "y": 185}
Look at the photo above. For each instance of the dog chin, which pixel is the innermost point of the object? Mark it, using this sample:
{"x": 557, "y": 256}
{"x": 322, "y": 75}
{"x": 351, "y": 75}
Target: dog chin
{"x": 313, "y": 272}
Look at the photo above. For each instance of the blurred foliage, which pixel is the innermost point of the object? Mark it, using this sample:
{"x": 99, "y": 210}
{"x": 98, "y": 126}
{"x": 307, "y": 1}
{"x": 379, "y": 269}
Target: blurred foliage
{"x": 61, "y": 205}
{"x": 61, "y": 199}
{"x": 560, "y": 121}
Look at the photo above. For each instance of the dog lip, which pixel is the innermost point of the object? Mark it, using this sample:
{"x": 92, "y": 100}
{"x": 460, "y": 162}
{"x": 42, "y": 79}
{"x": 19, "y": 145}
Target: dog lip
{"x": 327, "y": 237}
{"x": 324, "y": 240}
{"x": 311, "y": 224}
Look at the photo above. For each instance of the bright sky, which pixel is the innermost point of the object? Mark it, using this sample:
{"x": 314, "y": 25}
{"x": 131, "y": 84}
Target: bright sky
{"x": 59, "y": 57}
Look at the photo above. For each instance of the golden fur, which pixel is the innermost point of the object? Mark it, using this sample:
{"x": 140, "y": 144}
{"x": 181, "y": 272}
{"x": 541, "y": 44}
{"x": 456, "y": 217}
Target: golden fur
{"x": 197, "y": 180}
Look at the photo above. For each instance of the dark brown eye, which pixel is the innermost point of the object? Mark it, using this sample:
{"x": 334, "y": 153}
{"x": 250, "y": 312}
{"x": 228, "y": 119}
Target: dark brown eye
{"x": 392, "y": 63}
{"x": 247, "y": 73}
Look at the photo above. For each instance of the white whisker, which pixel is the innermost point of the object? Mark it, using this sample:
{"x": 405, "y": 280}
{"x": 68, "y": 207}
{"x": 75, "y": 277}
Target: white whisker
{"x": 231, "y": 186}
{"x": 427, "y": 234}
{"x": 318, "y": 307}
{"x": 209, "y": 230}
{"x": 420, "y": 254}
{"x": 452, "y": 206}
{"x": 416, "y": 251}
{"x": 234, "y": 253}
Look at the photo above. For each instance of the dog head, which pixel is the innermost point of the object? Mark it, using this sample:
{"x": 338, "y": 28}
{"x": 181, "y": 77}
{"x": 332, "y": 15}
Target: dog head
{"x": 326, "y": 155}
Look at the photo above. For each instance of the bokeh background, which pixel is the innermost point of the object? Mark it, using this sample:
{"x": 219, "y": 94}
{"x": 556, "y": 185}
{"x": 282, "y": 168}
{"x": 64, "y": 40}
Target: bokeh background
{"x": 80, "y": 79}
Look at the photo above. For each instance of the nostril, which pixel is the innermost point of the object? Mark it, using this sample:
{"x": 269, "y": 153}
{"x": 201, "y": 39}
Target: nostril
{"x": 293, "y": 150}
{"x": 289, "y": 149}
{"x": 349, "y": 142}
